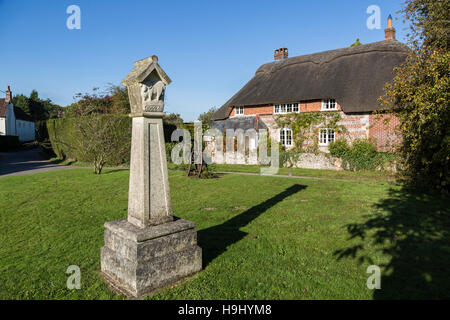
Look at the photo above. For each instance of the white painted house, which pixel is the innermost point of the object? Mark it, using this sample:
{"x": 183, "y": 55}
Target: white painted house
{"x": 14, "y": 121}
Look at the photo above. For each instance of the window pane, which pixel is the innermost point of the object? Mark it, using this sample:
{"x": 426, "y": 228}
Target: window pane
{"x": 331, "y": 136}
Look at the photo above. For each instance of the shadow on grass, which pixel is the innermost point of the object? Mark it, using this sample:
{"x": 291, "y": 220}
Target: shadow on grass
{"x": 413, "y": 230}
{"x": 215, "y": 240}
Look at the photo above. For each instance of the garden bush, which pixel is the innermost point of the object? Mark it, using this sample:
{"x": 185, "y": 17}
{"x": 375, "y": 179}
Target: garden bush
{"x": 361, "y": 155}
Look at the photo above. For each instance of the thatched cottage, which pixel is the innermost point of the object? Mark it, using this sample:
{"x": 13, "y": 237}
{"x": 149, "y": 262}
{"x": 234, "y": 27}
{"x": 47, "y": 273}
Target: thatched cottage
{"x": 348, "y": 80}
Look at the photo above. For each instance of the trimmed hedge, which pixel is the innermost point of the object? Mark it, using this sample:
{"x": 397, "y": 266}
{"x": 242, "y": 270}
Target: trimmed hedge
{"x": 61, "y": 133}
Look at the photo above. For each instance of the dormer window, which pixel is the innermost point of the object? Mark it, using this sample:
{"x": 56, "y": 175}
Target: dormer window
{"x": 285, "y": 108}
{"x": 239, "y": 111}
{"x": 329, "y": 104}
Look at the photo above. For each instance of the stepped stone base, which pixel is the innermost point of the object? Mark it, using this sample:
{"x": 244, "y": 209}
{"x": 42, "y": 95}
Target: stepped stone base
{"x": 138, "y": 262}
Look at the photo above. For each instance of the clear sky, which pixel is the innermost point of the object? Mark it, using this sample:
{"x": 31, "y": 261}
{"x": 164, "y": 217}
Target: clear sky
{"x": 209, "y": 49}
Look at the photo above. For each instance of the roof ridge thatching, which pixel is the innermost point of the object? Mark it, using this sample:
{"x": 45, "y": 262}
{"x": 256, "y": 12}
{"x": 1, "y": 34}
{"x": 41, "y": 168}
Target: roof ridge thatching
{"x": 354, "y": 76}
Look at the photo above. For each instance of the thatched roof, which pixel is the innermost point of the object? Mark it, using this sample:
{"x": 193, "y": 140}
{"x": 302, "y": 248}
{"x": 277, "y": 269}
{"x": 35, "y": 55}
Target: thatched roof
{"x": 354, "y": 76}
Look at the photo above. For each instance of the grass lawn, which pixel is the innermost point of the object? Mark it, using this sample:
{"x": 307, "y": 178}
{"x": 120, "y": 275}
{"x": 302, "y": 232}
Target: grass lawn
{"x": 262, "y": 237}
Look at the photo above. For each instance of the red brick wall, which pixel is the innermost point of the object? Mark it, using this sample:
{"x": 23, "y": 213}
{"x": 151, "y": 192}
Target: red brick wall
{"x": 308, "y": 106}
{"x": 358, "y": 125}
{"x": 384, "y": 130}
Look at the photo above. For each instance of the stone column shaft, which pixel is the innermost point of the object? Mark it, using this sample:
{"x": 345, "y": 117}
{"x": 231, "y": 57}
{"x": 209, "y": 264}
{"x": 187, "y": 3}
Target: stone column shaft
{"x": 149, "y": 193}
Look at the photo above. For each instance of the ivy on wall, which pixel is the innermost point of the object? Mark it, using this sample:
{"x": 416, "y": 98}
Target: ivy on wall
{"x": 305, "y": 126}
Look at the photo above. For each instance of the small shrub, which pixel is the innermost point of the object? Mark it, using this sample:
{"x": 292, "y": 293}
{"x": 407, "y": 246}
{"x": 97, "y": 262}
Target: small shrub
{"x": 339, "y": 148}
{"x": 361, "y": 155}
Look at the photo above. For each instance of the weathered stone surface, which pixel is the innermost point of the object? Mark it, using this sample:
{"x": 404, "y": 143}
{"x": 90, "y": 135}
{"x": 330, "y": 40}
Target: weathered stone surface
{"x": 149, "y": 250}
{"x": 149, "y": 195}
{"x": 162, "y": 256}
{"x": 146, "y": 85}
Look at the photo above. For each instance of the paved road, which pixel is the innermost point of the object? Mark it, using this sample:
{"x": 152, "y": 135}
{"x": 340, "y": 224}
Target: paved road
{"x": 25, "y": 162}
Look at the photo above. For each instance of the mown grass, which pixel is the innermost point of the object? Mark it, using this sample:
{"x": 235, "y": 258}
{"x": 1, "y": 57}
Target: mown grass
{"x": 300, "y": 172}
{"x": 296, "y": 172}
{"x": 262, "y": 237}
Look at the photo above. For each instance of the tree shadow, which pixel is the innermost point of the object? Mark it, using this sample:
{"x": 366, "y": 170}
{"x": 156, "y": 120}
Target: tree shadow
{"x": 215, "y": 240}
{"x": 413, "y": 231}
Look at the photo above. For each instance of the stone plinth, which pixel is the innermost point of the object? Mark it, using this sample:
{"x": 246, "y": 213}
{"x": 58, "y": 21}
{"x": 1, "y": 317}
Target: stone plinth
{"x": 138, "y": 261}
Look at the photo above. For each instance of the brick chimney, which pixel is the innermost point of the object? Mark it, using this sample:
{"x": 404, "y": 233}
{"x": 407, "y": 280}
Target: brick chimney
{"x": 8, "y": 95}
{"x": 280, "y": 54}
{"x": 389, "y": 32}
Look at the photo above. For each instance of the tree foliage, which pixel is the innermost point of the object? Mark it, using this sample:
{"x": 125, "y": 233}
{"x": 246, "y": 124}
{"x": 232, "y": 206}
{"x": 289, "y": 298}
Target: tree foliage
{"x": 102, "y": 136}
{"x": 37, "y": 108}
{"x": 113, "y": 100}
{"x": 419, "y": 95}
{"x": 174, "y": 119}
{"x": 206, "y": 117}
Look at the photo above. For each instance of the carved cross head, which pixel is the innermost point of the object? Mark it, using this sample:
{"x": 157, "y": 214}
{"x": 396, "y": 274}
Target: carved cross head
{"x": 146, "y": 85}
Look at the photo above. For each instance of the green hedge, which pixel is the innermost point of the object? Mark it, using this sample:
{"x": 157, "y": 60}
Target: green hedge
{"x": 61, "y": 133}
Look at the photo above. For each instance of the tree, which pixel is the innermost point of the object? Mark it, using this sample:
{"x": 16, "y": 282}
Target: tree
{"x": 174, "y": 119}
{"x": 103, "y": 135}
{"x": 22, "y": 102}
{"x": 206, "y": 117}
{"x": 119, "y": 99}
{"x": 96, "y": 102}
{"x": 37, "y": 108}
{"x": 114, "y": 100}
{"x": 419, "y": 95}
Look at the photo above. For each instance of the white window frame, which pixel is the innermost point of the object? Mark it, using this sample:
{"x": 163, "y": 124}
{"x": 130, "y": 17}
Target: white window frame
{"x": 239, "y": 111}
{"x": 286, "y": 136}
{"x": 284, "y": 108}
{"x": 326, "y": 136}
{"x": 329, "y": 104}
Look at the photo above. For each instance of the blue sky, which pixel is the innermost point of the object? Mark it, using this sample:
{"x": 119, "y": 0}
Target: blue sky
{"x": 210, "y": 49}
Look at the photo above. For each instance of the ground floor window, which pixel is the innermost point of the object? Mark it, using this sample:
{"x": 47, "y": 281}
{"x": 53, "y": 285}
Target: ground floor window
{"x": 326, "y": 136}
{"x": 286, "y": 137}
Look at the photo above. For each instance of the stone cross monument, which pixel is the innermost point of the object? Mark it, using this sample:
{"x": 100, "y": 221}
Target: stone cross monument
{"x": 150, "y": 249}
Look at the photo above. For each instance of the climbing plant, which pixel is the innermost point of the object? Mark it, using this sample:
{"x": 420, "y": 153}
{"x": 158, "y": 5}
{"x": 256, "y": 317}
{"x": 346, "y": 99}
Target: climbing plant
{"x": 304, "y": 126}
